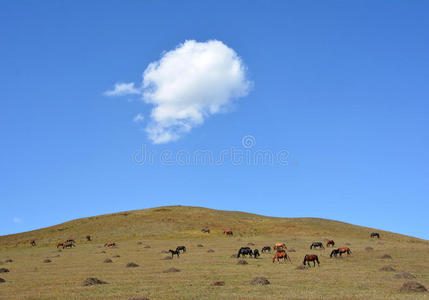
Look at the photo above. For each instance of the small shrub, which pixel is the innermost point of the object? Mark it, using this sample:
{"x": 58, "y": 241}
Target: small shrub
{"x": 131, "y": 265}
{"x": 93, "y": 281}
{"x": 260, "y": 281}
{"x": 413, "y": 286}
{"x": 171, "y": 270}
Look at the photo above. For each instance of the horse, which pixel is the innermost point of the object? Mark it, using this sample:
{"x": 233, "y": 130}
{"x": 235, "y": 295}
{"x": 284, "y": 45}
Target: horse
{"x": 281, "y": 254}
{"x": 68, "y": 245}
{"x": 256, "y": 253}
{"x": 33, "y": 243}
{"x": 228, "y": 232}
{"x": 245, "y": 251}
{"x": 183, "y": 248}
{"x": 317, "y": 245}
{"x": 60, "y": 244}
{"x": 205, "y": 230}
{"x": 174, "y": 252}
{"x": 279, "y": 246}
{"x": 340, "y": 251}
{"x": 311, "y": 257}
{"x": 266, "y": 249}
{"x": 330, "y": 243}
{"x": 109, "y": 244}
{"x": 375, "y": 234}
{"x": 88, "y": 238}
{"x": 70, "y": 240}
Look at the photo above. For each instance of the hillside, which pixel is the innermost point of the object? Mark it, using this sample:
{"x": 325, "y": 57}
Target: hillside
{"x": 143, "y": 237}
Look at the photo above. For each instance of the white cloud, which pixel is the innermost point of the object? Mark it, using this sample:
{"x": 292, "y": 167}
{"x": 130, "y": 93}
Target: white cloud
{"x": 17, "y": 220}
{"x": 138, "y": 118}
{"x": 187, "y": 85}
{"x": 122, "y": 89}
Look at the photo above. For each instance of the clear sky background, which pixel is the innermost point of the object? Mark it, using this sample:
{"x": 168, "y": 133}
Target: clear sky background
{"x": 343, "y": 86}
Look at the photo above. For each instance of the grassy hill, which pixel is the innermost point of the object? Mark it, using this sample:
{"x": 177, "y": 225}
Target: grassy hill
{"x": 143, "y": 236}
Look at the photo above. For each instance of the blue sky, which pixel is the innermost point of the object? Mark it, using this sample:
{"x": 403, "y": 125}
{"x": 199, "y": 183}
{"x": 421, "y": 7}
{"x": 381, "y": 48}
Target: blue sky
{"x": 341, "y": 85}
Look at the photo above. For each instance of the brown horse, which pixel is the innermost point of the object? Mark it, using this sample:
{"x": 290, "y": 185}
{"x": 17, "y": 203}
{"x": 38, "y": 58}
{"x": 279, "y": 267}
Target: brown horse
{"x": 281, "y": 254}
{"x": 228, "y": 232}
{"x": 60, "y": 244}
{"x": 68, "y": 245}
{"x": 330, "y": 243}
{"x": 110, "y": 244}
{"x": 88, "y": 238}
{"x": 33, "y": 243}
{"x": 279, "y": 246}
{"x": 345, "y": 250}
{"x": 311, "y": 257}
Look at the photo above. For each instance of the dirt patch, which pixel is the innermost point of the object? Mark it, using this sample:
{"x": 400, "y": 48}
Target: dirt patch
{"x": 404, "y": 275}
{"x": 210, "y": 251}
{"x": 260, "y": 281}
{"x": 4, "y": 270}
{"x": 388, "y": 269}
{"x": 47, "y": 261}
{"x": 107, "y": 261}
{"x": 167, "y": 258}
{"x": 300, "y": 267}
{"x": 369, "y": 249}
{"x": 219, "y": 283}
{"x": 139, "y": 243}
{"x": 147, "y": 246}
{"x": 103, "y": 251}
{"x": 131, "y": 265}
{"x": 348, "y": 244}
{"x": 2, "y": 280}
{"x": 250, "y": 244}
{"x": 292, "y": 250}
{"x": 8, "y": 260}
{"x": 171, "y": 270}
{"x": 233, "y": 255}
{"x": 93, "y": 281}
{"x": 200, "y": 246}
{"x": 164, "y": 251}
{"x": 413, "y": 286}
{"x": 242, "y": 262}
{"x": 116, "y": 255}
{"x": 386, "y": 256}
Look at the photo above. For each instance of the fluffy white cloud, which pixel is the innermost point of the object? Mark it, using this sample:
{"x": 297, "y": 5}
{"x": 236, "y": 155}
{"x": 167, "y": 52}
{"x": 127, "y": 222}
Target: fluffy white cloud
{"x": 16, "y": 220}
{"x": 187, "y": 85}
{"x": 122, "y": 89}
{"x": 138, "y": 118}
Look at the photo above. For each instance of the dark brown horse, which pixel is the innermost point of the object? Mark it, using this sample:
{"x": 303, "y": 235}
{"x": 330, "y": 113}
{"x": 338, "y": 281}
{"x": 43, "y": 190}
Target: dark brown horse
{"x": 109, "y": 244}
{"x": 330, "y": 243}
{"x": 266, "y": 249}
{"x": 68, "y": 245}
{"x": 228, "y": 232}
{"x": 88, "y": 238}
{"x": 205, "y": 230}
{"x": 311, "y": 257}
{"x": 375, "y": 235}
{"x": 33, "y": 243}
{"x": 174, "y": 252}
{"x": 281, "y": 254}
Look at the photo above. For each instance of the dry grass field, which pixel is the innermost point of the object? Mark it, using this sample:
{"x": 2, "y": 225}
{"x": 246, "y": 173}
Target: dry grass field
{"x": 143, "y": 236}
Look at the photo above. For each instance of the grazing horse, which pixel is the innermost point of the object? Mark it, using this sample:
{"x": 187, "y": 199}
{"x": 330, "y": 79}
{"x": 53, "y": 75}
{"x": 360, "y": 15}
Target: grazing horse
{"x": 256, "y": 253}
{"x": 279, "y": 246}
{"x": 266, "y": 249}
{"x": 60, "y": 244}
{"x": 88, "y": 238}
{"x": 311, "y": 257}
{"x": 245, "y": 251}
{"x": 317, "y": 245}
{"x": 330, "y": 243}
{"x": 68, "y": 245}
{"x": 375, "y": 234}
{"x": 174, "y": 252}
{"x": 205, "y": 230}
{"x": 109, "y": 244}
{"x": 340, "y": 251}
{"x": 228, "y": 232}
{"x": 281, "y": 254}
{"x": 183, "y": 248}
{"x": 33, "y": 243}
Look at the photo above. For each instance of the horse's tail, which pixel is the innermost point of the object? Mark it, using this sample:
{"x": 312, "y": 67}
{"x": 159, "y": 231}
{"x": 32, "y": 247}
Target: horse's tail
{"x": 305, "y": 258}
{"x": 239, "y": 252}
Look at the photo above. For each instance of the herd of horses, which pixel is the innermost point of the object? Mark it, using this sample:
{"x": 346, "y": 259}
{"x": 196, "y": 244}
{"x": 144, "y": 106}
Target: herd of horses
{"x": 279, "y": 255}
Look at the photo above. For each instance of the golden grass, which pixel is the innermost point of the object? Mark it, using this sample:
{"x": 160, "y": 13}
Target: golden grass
{"x": 351, "y": 277}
